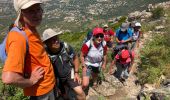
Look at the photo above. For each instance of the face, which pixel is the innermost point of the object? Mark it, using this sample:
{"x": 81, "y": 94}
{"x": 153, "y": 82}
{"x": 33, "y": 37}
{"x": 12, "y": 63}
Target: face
{"x": 98, "y": 38}
{"x": 136, "y": 28}
{"x": 32, "y": 16}
{"x": 53, "y": 43}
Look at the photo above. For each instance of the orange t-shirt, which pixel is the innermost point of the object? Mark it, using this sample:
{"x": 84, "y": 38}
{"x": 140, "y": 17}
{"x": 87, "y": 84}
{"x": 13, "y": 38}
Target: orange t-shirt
{"x": 24, "y": 63}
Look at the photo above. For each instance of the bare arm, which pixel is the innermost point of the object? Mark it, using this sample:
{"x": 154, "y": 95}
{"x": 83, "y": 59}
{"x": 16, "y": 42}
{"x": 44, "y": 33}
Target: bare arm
{"x": 82, "y": 59}
{"x": 16, "y": 79}
{"x": 104, "y": 61}
{"x": 76, "y": 63}
{"x": 76, "y": 68}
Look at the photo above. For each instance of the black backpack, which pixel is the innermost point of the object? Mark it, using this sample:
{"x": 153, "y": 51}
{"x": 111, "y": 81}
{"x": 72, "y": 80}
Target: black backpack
{"x": 118, "y": 48}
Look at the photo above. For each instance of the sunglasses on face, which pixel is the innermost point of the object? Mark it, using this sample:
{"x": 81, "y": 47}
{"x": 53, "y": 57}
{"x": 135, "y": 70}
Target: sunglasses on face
{"x": 99, "y": 35}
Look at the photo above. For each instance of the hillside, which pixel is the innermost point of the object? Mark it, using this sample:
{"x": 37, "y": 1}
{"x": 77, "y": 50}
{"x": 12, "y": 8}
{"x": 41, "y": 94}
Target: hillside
{"x": 76, "y": 15}
{"x": 150, "y": 77}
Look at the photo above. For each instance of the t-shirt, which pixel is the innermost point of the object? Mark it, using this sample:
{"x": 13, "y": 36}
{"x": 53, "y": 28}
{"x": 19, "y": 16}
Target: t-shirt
{"x": 108, "y": 34}
{"x": 128, "y": 60}
{"x": 123, "y": 36}
{"x": 85, "y": 49}
{"x": 18, "y": 61}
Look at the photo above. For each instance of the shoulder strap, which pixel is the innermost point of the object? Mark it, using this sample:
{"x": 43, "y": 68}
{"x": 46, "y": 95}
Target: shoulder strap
{"x": 24, "y": 34}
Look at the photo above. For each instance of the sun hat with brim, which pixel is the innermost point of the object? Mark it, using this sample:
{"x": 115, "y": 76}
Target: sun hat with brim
{"x": 49, "y": 33}
{"x": 105, "y": 26}
{"x": 23, "y": 4}
{"x": 124, "y": 27}
{"x": 137, "y": 24}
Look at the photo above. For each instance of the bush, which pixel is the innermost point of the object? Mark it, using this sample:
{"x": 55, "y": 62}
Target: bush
{"x": 158, "y": 12}
{"x": 155, "y": 58}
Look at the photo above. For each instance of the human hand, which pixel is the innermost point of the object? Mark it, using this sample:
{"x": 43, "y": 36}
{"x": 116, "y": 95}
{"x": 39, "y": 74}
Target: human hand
{"x": 77, "y": 78}
{"x": 103, "y": 67}
{"x": 37, "y": 74}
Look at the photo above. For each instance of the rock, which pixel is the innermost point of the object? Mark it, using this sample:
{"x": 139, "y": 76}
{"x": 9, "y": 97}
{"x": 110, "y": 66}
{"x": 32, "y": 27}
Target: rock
{"x": 106, "y": 89}
{"x": 159, "y": 28}
{"x": 113, "y": 80}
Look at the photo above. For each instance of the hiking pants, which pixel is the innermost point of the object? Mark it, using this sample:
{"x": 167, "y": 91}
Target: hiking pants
{"x": 122, "y": 72}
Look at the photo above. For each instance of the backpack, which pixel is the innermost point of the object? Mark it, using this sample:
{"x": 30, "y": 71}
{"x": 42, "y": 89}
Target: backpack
{"x": 3, "y": 54}
{"x": 63, "y": 61}
{"x": 117, "y": 49}
{"x": 88, "y": 37}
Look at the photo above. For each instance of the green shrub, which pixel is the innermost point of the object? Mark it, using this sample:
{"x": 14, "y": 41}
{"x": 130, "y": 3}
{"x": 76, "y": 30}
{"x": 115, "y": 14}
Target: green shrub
{"x": 155, "y": 57}
{"x": 158, "y": 12}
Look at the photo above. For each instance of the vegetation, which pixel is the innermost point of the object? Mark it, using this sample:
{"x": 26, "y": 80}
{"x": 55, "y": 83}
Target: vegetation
{"x": 158, "y": 12}
{"x": 155, "y": 57}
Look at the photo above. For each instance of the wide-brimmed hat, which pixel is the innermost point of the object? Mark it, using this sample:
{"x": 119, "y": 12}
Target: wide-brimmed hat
{"x": 23, "y": 4}
{"x": 124, "y": 27}
{"x": 49, "y": 33}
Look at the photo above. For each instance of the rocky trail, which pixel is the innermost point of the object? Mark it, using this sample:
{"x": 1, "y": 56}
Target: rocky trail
{"x": 112, "y": 89}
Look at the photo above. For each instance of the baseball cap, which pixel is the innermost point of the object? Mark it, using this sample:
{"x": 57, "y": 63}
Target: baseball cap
{"x": 23, "y": 4}
{"x": 124, "y": 27}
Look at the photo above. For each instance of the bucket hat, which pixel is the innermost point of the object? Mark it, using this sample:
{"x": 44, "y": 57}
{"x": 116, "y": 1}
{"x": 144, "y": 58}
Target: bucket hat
{"x": 49, "y": 33}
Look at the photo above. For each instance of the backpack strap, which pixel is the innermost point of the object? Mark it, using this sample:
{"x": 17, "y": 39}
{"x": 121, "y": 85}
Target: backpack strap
{"x": 3, "y": 54}
{"x": 24, "y": 34}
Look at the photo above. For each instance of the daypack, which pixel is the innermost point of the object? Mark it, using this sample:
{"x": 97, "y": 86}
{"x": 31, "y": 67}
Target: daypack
{"x": 62, "y": 62}
{"x": 88, "y": 37}
{"x": 3, "y": 54}
{"x": 118, "y": 48}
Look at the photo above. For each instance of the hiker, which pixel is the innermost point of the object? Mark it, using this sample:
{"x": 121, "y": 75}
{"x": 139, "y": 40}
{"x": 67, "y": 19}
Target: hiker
{"x": 123, "y": 34}
{"x": 93, "y": 57}
{"x": 123, "y": 61}
{"x": 108, "y": 36}
{"x": 65, "y": 63}
{"x": 132, "y": 25}
{"x": 28, "y": 68}
{"x": 136, "y": 35}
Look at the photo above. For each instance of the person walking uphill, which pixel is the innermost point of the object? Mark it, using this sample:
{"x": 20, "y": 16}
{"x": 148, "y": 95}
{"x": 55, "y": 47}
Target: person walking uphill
{"x": 93, "y": 57}
{"x": 28, "y": 68}
{"x": 123, "y": 34}
{"x": 65, "y": 63}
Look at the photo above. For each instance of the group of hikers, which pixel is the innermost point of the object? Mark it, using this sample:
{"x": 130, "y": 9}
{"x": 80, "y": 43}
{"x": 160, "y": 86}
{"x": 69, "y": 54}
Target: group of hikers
{"x": 47, "y": 67}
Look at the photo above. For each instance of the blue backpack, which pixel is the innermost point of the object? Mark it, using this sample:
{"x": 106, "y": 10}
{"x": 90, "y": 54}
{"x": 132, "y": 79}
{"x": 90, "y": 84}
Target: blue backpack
{"x": 3, "y": 54}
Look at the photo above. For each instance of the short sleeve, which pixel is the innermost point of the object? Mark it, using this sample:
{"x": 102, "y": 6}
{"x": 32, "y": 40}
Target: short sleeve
{"x": 16, "y": 51}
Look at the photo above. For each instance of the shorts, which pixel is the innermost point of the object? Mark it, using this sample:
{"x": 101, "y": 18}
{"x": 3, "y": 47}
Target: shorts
{"x": 68, "y": 82}
{"x": 47, "y": 96}
{"x": 91, "y": 69}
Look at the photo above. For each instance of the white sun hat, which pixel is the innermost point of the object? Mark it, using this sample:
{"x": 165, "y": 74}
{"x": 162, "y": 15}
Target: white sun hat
{"x": 137, "y": 24}
{"x": 105, "y": 25}
{"x": 49, "y": 33}
{"x": 23, "y": 4}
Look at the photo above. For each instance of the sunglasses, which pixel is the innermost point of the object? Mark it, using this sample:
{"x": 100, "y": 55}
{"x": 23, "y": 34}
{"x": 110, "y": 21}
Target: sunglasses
{"x": 99, "y": 35}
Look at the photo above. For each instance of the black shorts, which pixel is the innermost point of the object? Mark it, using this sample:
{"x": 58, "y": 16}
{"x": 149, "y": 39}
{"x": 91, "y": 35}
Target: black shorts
{"x": 68, "y": 82}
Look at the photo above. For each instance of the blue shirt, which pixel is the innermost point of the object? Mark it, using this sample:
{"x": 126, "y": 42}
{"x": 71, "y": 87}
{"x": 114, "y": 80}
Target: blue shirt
{"x": 123, "y": 36}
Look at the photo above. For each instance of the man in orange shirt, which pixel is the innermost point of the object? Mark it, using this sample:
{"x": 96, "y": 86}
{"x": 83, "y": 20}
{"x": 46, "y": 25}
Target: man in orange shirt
{"x": 28, "y": 69}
